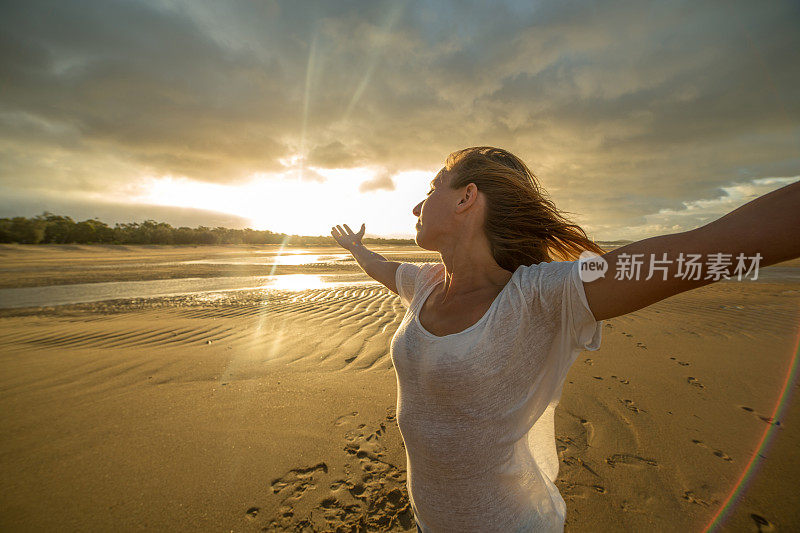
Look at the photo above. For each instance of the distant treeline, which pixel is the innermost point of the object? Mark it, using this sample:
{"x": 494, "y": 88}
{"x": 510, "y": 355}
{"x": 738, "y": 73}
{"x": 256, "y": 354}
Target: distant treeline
{"x": 48, "y": 228}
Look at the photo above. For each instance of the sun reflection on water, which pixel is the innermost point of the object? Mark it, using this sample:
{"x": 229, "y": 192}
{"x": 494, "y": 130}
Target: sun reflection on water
{"x": 272, "y": 259}
{"x": 297, "y": 282}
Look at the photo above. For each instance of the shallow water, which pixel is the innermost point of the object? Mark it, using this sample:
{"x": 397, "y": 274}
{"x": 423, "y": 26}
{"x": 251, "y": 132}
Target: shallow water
{"x": 55, "y": 295}
{"x": 271, "y": 258}
{"x": 97, "y": 292}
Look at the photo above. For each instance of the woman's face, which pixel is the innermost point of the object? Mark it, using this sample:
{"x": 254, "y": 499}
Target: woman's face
{"x": 434, "y": 213}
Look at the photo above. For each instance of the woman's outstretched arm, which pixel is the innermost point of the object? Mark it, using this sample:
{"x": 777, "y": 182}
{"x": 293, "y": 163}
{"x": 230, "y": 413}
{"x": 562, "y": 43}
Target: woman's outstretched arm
{"x": 763, "y": 232}
{"x": 375, "y": 265}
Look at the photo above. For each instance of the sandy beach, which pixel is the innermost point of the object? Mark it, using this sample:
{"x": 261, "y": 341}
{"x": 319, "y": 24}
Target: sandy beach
{"x": 273, "y": 409}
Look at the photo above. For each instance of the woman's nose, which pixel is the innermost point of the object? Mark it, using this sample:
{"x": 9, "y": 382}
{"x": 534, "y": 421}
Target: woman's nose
{"x": 416, "y": 209}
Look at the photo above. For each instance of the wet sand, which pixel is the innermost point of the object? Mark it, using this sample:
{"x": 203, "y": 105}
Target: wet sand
{"x": 250, "y": 411}
{"x": 35, "y": 266}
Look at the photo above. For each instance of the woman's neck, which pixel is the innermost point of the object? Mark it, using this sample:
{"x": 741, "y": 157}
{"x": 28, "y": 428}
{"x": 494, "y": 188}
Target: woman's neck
{"x": 471, "y": 269}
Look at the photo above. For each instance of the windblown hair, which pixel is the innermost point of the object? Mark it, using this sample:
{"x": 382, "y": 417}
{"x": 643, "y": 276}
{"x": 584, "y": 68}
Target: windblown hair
{"x": 522, "y": 223}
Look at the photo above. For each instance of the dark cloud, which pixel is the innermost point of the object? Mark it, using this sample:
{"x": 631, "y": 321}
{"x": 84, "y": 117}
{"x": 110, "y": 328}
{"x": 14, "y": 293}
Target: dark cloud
{"x": 117, "y": 212}
{"x": 622, "y": 108}
{"x": 141, "y": 84}
{"x": 334, "y": 155}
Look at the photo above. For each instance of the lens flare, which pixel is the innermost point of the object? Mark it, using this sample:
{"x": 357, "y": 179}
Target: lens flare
{"x": 766, "y": 439}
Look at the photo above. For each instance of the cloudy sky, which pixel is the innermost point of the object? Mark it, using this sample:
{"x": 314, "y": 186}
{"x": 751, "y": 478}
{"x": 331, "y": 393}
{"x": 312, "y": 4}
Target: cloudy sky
{"x": 638, "y": 118}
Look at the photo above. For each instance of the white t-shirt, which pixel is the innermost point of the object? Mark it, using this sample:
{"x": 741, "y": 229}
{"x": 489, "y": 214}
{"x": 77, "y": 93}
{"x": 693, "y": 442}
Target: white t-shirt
{"x": 475, "y": 408}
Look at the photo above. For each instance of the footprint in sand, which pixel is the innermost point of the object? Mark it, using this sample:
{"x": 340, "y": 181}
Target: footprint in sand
{"x": 691, "y": 497}
{"x": 572, "y": 491}
{"x": 588, "y": 361}
{"x": 621, "y": 380}
{"x": 694, "y": 382}
{"x": 770, "y": 420}
{"x": 767, "y": 419}
{"x": 629, "y": 460}
{"x": 344, "y": 419}
{"x": 571, "y": 460}
{"x": 682, "y": 363}
{"x": 572, "y": 443}
{"x": 295, "y": 483}
{"x": 370, "y": 497}
{"x": 719, "y": 453}
{"x": 762, "y": 523}
{"x": 641, "y": 345}
{"x": 631, "y": 406}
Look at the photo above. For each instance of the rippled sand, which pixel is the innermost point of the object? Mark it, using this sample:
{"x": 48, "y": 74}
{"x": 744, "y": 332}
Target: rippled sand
{"x": 250, "y": 411}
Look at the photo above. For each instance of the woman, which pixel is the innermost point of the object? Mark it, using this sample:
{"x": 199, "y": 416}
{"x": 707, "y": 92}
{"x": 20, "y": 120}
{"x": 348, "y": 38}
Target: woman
{"x": 490, "y": 332}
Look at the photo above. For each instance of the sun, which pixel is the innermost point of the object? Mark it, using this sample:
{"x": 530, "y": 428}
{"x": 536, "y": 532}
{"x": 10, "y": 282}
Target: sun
{"x": 284, "y": 203}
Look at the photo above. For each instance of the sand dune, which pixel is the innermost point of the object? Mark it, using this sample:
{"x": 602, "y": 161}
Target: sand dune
{"x": 254, "y": 411}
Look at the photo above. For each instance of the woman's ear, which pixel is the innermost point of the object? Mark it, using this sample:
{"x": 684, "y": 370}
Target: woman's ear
{"x": 470, "y": 194}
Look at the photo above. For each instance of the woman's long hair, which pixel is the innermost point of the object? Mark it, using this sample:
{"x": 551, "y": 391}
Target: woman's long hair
{"x": 522, "y": 223}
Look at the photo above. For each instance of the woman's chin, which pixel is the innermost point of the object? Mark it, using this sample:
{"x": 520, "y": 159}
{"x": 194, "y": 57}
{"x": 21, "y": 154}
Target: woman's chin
{"x": 421, "y": 243}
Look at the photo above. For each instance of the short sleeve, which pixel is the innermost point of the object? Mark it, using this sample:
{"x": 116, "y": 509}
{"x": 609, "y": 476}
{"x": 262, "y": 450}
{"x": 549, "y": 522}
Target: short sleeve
{"x": 411, "y": 278}
{"x": 556, "y": 288}
{"x": 587, "y": 331}
{"x": 406, "y": 281}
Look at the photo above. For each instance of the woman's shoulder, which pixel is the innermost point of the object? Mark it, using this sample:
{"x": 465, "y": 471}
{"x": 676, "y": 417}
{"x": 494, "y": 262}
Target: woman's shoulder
{"x": 419, "y": 271}
{"x": 545, "y": 271}
{"x": 413, "y": 278}
{"x": 546, "y": 280}
{"x": 548, "y": 268}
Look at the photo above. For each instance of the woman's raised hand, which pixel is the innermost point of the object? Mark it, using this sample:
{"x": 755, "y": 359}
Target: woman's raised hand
{"x": 347, "y": 239}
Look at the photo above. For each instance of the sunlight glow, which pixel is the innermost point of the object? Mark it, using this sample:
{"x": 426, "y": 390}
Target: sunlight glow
{"x": 295, "y": 258}
{"x": 297, "y": 282}
{"x": 284, "y": 204}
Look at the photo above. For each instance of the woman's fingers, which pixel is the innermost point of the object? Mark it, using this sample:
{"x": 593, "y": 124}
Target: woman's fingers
{"x": 339, "y": 231}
